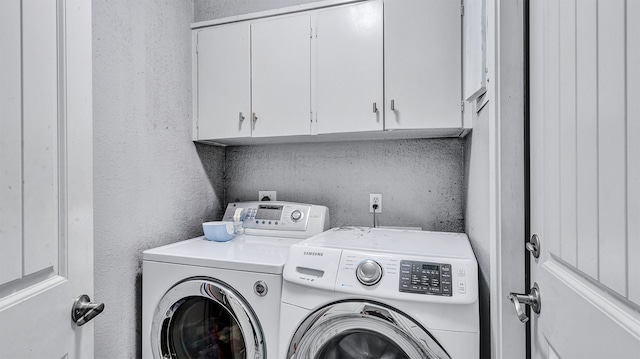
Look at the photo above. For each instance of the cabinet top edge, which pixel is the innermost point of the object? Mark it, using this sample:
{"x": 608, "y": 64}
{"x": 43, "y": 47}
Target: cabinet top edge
{"x": 270, "y": 13}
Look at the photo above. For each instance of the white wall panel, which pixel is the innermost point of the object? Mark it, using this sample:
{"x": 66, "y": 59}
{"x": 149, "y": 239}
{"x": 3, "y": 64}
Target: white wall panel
{"x": 40, "y": 141}
{"x": 552, "y": 129}
{"x": 612, "y": 144}
{"x": 587, "y": 137}
{"x": 568, "y": 195}
{"x": 633, "y": 149}
{"x": 10, "y": 143}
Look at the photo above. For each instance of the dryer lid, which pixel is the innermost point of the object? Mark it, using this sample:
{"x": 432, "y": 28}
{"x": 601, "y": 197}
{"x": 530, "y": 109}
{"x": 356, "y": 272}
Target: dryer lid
{"x": 242, "y": 253}
{"x": 395, "y": 241}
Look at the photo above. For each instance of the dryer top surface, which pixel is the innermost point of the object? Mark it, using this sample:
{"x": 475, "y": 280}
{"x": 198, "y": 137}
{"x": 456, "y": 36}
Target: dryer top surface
{"x": 244, "y": 253}
{"x": 394, "y": 241}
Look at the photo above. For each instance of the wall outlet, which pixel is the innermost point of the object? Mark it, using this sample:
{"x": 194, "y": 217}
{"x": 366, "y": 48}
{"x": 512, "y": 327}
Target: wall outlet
{"x": 267, "y": 196}
{"x": 375, "y": 198}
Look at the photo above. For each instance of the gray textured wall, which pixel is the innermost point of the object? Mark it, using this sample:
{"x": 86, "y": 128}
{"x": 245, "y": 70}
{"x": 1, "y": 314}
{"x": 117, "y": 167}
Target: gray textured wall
{"x": 477, "y": 216}
{"x": 216, "y": 9}
{"x": 421, "y": 181}
{"x": 151, "y": 186}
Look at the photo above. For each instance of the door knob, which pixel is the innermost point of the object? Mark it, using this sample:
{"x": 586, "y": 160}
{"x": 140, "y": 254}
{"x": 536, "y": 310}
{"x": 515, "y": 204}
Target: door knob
{"x": 520, "y": 300}
{"x": 83, "y": 310}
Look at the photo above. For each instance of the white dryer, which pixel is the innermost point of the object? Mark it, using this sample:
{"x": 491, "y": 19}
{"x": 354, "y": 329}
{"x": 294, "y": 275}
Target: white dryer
{"x": 380, "y": 293}
{"x": 204, "y": 299}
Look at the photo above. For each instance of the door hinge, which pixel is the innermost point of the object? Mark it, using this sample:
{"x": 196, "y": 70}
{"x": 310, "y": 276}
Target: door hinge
{"x": 461, "y": 9}
{"x": 311, "y": 33}
{"x": 311, "y": 116}
{"x": 462, "y": 106}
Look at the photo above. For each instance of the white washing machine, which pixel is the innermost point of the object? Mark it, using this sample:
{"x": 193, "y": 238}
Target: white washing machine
{"x": 204, "y": 299}
{"x": 380, "y": 293}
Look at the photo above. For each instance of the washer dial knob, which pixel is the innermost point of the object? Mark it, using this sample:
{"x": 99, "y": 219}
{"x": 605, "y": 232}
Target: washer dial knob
{"x": 369, "y": 272}
{"x": 296, "y": 215}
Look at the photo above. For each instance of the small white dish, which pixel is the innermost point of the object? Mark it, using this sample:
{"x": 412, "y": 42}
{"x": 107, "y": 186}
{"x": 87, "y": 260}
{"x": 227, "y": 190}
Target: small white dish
{"x": 219, "y": 231}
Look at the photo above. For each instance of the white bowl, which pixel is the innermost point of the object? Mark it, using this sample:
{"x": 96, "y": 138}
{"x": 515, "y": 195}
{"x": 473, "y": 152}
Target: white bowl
{"x": 219, "y": 231}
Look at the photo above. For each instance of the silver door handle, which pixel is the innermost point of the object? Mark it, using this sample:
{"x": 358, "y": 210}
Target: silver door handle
{"x": 375, "y": 108}
{"x": 83, "y": 310}
{"x": 520, "y": 300}
{"x": 393, "y": 105}
{"x": 241, "y": 118}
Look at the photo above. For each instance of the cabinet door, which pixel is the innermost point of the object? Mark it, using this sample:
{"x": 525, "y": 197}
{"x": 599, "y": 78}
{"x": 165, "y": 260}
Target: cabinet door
{"x": 423, "y": 58}
{"x": 281, "y": 76}
{"x": 349, "y": 68}
{"x": 224, "y": 82}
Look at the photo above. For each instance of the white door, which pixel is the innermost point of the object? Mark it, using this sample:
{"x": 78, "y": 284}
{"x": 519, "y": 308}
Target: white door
{"x": 349, "y": 68}
{"x": 585, "y": 177}
{"x": 224, "y": 82}
{"x": 422, "y": 62}
{"x": 281, "y": 76}
{"x": 46, "y": 193}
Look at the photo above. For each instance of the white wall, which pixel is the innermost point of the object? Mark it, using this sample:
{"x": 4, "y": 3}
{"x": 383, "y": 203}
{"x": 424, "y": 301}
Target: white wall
{"x": 476, "y": 183}
{"x": 151, "y": 187}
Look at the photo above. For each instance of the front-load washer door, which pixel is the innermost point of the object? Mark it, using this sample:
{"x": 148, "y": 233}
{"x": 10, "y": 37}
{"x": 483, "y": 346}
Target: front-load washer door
{"x": 362, "y": 329}
{"x": 205, "y": 318}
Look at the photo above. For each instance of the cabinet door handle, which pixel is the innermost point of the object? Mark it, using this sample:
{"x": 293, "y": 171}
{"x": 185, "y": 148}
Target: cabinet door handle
{"x": 393, "y": 105}
{"x": 375, "y": 108}
{"x": 241, "y": 118}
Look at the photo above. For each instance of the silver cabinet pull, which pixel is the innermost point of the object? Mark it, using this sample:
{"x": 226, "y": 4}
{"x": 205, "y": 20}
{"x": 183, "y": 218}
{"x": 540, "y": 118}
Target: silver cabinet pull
{"x": 83, "y": 310}
{"x": 533, "y": 246}
{"x": 255, "y": 118}
{"x": 520, "y": 300}
{"x": 393, "y": 105}
{"x": 240, "y": 117}
{"x": 375, "y": 108}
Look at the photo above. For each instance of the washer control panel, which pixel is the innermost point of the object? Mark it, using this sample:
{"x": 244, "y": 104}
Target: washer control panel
{"x": 425, "y": 278}
{"x": 282, "y": 216}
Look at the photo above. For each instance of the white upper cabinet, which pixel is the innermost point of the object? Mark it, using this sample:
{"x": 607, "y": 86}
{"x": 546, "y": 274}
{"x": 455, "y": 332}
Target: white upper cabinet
{"x": 349, "y": 68}
{"x": 423, "y": 64}
{"x": 281, "y": 76}
{"x": 223, "y": 82}
{"x": 331, "y": 70}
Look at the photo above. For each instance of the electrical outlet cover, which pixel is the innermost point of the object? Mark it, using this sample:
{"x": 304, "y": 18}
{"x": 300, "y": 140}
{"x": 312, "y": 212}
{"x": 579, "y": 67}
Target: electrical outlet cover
{"x": 375, "y": 198}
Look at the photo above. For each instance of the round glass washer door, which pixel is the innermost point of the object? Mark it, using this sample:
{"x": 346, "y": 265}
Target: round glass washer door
{"x": 363, "y": 330}
{"x": 204, "y": 318}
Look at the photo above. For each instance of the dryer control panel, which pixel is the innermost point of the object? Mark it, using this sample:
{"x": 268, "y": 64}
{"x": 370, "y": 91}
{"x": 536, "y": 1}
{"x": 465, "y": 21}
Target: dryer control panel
{"x": 278, "y": 218}
{"x": 425, "y": 278}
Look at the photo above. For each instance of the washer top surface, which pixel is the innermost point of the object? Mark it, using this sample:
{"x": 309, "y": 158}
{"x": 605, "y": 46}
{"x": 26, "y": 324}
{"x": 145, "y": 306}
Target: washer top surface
{"x": 396, "y": 241}
{"x": 243, "y": 253}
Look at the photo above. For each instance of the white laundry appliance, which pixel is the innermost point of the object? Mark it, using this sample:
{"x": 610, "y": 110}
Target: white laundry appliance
{"x": 205, "y": 299}
{"x": 380, "y": 293}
